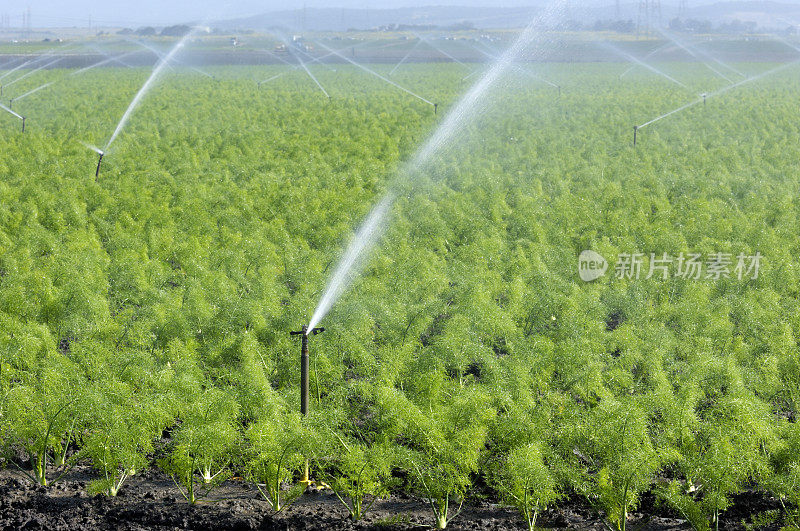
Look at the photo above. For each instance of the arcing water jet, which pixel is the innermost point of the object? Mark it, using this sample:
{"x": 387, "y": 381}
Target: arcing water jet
{"x": 370, "y": 231}
{"x": 705, "y": 96}
{"x": 633, "y": 59}
{"x": 370, "y": 71}
{"x": 159, "y": 68}
{"x": 8, "y": 110}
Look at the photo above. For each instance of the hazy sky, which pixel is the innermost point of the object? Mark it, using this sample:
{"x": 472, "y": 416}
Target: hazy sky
{"x": 141, "y": 12}
{"x": 48, "y": 13}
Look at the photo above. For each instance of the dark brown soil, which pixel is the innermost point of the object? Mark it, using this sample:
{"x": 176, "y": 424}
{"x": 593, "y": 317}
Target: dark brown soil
{"x": 151, "y": 501}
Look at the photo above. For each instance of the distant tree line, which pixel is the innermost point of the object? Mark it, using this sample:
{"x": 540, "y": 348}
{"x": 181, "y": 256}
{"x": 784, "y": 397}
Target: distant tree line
{"x": 676, "y": 24}
{"x": 178, "y": 30}
{"x": 459, "y": 26}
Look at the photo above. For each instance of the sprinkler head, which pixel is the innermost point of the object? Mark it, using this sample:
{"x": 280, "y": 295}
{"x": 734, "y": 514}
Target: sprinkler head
{"x": 435, "y": 108}
{"x": 635, "y": 132}
{"x": 23, "y": 124}
{"x": 305, "y": 331}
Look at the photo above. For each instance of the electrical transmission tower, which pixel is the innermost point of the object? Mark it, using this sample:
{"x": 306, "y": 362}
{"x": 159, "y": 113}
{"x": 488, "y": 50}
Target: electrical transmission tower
{"x": 649, "y": 16}
{"x": 683, "y": 7}
{"x": 26, "y": 22}
{"x": 619, "y": 11}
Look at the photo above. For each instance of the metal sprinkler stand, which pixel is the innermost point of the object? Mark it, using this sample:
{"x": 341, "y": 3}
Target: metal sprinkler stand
{"x": 704, "y": 98}
{"x": 635, "y": 132}
{"x": 99, "y": 163}
{"x": 23, "y": 124}
{"x": 435, "y": 108}
{"x": 306, "y": 481}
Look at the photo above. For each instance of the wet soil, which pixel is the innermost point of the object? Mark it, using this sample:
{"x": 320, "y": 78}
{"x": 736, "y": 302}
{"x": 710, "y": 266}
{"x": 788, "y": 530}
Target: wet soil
{"x": 151, "y": 500}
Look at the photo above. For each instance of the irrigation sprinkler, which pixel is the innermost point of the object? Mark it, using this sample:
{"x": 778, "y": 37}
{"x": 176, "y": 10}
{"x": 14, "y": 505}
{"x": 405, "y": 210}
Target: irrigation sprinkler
{"x": 635, "y": 132}
{"x": 304, "y": 333}
{"x": 435, "y": 108}
{"x": 703, "y": 98}
{"x": 15, "y": 114}
{"x": 99, "y": 163}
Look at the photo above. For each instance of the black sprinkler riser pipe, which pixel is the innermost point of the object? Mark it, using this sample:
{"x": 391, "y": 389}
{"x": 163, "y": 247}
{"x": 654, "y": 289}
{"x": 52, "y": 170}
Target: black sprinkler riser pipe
{"x": 304, "y": 365}
{"x": 99, "y": 163}
{"x": 304, "y": 376}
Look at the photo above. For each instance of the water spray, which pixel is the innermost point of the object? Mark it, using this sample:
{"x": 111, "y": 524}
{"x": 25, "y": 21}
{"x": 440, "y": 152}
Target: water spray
{"x": 33, "y": 91}
{"x": 304, "y": 379}
{"x": 650, "y": 54}
{"x": 105, "y": 62}
{"x": 638, "y": 61}
{"x": 371, "y": 229}
{"x": 703, "y": 98}
{"x": 14, "y": 114}
{"x": 164, "y": 57}
{"x": 297, "y": 66}
{"x": 493, "y": 56}
{"x": 405, "y": 58}
{"x": 441, "y": 51}
{"x": 374, "y": 73}
{"x": 686, "y": 48}
{"x": 159, "y": 68}
{"x": 46, "y": 65}
{"x": 312, "y": 76}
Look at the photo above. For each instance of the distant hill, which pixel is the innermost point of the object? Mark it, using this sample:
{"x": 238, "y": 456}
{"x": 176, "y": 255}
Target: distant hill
{"x": 766, "y": 14}
{"x": 343, "y": 19}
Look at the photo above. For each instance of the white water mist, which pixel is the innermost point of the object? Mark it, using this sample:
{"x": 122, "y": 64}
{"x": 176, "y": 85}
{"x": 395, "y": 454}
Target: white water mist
{"x": 147, "y": 86}
{"x": 367, "y": 236}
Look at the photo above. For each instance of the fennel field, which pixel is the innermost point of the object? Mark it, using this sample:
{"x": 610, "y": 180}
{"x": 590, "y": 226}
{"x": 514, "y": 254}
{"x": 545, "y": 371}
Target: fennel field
{"x": 145, "y": 314}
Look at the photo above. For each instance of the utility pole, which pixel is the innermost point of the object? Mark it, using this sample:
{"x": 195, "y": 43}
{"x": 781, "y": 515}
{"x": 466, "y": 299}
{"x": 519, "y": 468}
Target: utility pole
{"x": 683, "y": 7}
